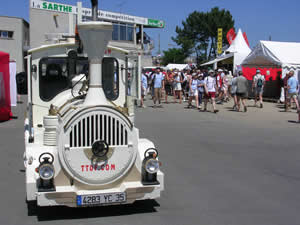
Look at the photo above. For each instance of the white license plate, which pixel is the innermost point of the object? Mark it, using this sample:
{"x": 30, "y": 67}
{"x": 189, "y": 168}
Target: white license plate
{"x": 101, "y": 199}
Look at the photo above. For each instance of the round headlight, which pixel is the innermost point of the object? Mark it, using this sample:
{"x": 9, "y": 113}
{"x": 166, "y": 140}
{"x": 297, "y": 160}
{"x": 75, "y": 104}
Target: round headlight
{"x": 46, "y": 171}
{"x": 152, "y": 166}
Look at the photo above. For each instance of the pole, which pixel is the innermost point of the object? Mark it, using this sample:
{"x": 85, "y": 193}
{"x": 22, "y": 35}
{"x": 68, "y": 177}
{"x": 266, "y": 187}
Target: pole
{"x": 94, "y": 9}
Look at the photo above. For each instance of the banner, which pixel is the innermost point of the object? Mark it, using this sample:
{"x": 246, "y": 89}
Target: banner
{"x": 231, "y": 36}
{"x": 111, "y": 16}
{"x": 246, "y": 38}
{"x": 220, "y": 41}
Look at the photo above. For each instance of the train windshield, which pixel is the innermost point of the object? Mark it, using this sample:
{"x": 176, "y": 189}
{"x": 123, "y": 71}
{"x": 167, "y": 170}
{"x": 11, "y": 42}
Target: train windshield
{"x": 56, "y": 74}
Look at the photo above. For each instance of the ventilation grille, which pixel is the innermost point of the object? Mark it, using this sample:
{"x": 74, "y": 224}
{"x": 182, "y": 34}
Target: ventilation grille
{"x": 98, "y": 127}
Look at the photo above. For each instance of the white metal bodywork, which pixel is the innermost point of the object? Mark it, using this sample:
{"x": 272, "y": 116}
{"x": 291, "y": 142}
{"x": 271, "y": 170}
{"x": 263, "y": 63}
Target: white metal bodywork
{"x": 60, "y": 135}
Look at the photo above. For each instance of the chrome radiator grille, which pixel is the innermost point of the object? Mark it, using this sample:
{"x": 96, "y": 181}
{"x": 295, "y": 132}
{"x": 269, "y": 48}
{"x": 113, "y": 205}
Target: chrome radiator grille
{"x": 98, "y": 127}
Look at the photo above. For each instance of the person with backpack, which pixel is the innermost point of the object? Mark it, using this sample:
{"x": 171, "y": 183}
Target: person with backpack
{"x": 258, "y": 87}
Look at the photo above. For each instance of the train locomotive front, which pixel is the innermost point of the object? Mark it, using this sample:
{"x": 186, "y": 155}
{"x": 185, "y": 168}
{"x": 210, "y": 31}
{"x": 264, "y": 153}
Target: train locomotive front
{"x": 83, "y": 149}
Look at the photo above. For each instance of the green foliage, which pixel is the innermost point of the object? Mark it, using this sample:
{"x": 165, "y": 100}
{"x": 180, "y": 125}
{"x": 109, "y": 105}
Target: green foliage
{"x": 199, "y": 31}
{"x": 173, "y": 55}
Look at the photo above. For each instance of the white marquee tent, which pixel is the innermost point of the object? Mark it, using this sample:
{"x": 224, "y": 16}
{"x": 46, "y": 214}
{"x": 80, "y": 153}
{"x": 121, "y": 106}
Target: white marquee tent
{"x": 238, "y": 51}
{"x": 270, "y": 54}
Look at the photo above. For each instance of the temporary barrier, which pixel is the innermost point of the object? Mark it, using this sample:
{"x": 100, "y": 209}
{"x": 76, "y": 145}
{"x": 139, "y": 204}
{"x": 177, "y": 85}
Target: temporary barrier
{"x": 5, "y": 105}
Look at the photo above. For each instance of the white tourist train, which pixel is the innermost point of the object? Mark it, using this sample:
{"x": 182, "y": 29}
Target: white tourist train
{"x": 81, "y": 145}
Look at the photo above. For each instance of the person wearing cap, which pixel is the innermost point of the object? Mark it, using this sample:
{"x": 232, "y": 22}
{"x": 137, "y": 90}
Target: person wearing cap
{"x": 211, "y": 90}
{"x": 258, "y": 87}
{"x": 241, "y": 91}
{"x": 193, "y": 93}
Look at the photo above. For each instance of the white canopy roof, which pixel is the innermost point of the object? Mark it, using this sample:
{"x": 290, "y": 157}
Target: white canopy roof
{"x": 178, "y": 66}
{"x": 239, "y": 49}
{"x": 274, "y": 54}
{"x": 221, "y": 58}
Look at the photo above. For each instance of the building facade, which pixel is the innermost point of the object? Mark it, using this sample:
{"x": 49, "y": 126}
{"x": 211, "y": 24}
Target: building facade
{"x": 14, "y": 39}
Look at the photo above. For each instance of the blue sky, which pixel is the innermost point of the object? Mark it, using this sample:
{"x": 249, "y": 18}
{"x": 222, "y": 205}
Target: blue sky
{"x": 258, "y": 18}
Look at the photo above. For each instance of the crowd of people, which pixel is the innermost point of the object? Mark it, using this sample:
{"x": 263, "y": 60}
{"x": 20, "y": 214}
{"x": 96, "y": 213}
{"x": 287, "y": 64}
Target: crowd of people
{"x": 211, "y": 86}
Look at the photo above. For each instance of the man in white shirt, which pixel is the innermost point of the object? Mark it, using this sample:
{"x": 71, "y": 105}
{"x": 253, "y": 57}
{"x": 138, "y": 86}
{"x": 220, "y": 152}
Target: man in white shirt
{"x": 211, "y": 90}
{"x": 258, "y": 87}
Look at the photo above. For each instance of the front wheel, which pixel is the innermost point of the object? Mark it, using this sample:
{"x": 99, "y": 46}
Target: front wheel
{"x": 32, "y": 208}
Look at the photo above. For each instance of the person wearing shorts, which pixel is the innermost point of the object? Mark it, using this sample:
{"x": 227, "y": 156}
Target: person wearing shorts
{"x": 293, "y": 88}
{"x": 193, "y": 92}
{"x": 210, "y": 87}
{"x": 241, "y": 91}
{"x": 158, "y": 80}
{"x": 177, "y": 87}
{"x": 258, "y": 87}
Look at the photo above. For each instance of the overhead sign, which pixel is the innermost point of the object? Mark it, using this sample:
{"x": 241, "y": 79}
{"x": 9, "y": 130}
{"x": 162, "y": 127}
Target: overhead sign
{"x": 111, "y": 16}
{"x": 220, "y": 41}
{"x": 156, "y": 23}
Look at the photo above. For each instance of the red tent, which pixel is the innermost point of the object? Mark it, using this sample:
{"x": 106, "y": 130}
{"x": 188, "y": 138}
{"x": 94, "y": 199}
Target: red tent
{"x": 5, "y": 109}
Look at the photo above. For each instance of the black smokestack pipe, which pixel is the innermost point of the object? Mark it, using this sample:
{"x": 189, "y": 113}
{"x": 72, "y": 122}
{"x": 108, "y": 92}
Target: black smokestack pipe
{"x": 95, "y": 9}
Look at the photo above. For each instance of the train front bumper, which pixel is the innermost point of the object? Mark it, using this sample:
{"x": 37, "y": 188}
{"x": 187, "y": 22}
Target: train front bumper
{"x": 69, "y": 196}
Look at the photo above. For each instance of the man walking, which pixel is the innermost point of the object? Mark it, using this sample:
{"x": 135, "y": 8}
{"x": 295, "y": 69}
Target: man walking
{"x": 158, "y": 80}
{"x": 258, "y": 87}
{"x": 292, "y": 87}
{"x": 210, "y": 91}
{"x": 241, "y": 91}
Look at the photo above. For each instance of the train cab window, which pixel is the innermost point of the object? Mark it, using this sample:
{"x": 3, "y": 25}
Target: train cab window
{"x": 55, "y": 75}
{"x": 110, "y": 78}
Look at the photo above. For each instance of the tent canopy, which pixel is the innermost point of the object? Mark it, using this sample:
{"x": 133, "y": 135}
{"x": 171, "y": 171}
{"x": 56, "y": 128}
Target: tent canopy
{"x": 178, "y": 66}
{"x": 238, "y": 49}
{"x": 219, "y": 59}
{"x": 274, "y": 54}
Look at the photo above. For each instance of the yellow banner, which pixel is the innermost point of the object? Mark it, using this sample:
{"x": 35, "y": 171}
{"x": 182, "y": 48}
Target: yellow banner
{"x": 220, "y": 40}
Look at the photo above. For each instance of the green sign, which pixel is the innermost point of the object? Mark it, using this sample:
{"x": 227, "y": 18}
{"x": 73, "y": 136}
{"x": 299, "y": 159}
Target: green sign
{"x": 156, "y": 23}
{"x": 57, "y": 7}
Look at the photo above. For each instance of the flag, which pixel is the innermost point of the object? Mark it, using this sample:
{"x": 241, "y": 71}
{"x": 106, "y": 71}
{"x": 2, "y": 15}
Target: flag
{"x": 231, "y": 35}
{"x": 246, "y": 38}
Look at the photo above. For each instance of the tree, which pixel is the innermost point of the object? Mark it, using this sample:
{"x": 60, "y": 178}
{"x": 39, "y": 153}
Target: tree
{"x": 199, "y": 33}
{"x": 173, "y": 55}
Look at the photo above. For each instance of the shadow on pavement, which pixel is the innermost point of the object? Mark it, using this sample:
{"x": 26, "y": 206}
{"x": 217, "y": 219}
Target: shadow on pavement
{"x": 66, "y": 213}
{"x": 294, "y": 121}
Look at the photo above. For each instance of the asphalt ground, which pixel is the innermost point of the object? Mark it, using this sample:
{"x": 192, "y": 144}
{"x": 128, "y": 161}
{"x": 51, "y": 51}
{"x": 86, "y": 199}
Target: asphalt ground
{"x": 228, "y": 168}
